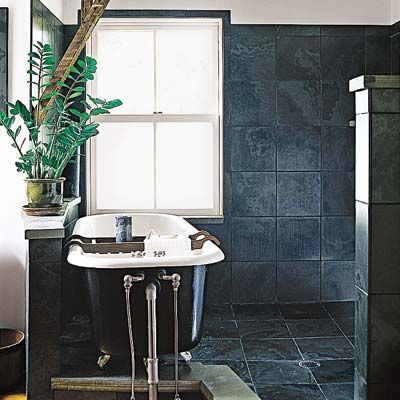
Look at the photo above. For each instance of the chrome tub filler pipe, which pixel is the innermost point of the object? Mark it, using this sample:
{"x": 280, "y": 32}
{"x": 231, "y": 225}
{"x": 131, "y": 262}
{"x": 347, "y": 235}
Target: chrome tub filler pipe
{"x": 151, "y": 297}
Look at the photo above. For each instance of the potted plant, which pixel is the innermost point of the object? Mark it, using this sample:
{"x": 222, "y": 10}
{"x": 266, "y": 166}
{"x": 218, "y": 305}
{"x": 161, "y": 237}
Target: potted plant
{"x": 45, "y": 148}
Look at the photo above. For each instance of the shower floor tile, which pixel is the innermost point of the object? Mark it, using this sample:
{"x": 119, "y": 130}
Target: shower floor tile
{"x": 325, "y": 348}
{"x": 270, "y": 349}
{"x": 279, "y": 373}
{"x": 340, "y": 309}
{"x": 264, "y": 344}
{"x": 218, "y": 312}
{"x": 219, "y": 350}
{"x": 334, "y": 371}
{"x": 274, "y": 328}
{"x": 303, "y": 311}
{"x": 344, "y": 391}
{"x": 220, "y": 329}
{"x": 256, "y": 312}
{"x": 301, "y": 328}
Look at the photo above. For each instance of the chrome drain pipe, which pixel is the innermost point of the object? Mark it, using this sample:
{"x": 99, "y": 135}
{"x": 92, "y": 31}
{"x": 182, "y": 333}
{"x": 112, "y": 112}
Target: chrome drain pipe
{"x": 152, "y": 361}
{"x": 128, "y": 283}
{"x": 176, "y": 281}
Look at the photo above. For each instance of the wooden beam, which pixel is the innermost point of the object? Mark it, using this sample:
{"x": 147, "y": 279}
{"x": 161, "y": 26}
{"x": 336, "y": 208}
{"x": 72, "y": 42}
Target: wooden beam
{"x": 73, "y": 51}
{"x": 85, "y": 7}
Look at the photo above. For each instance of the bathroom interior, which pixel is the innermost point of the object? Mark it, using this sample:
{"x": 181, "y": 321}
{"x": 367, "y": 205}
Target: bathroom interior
{"x": 254, "y": 254}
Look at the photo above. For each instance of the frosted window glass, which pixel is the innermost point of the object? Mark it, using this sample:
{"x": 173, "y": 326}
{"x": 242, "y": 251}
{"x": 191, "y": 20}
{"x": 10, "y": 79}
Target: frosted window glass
{"x": 186, "y": 71}
{"x": 125, "y": 165}
{"x": 184, "y": 165}
{"x": 126, "y": 69}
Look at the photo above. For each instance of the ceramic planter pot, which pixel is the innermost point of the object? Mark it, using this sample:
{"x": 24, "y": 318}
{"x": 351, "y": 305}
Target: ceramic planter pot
{"x": 45, "y": 193}
{"x": 12, "y": 350}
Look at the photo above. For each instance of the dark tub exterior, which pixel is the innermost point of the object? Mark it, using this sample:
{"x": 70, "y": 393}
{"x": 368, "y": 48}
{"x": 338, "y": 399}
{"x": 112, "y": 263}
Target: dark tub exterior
{"x": 107, "y": 298}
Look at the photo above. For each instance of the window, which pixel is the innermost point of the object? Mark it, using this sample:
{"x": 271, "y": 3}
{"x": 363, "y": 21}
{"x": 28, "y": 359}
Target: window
{"x": 161, "y": 150}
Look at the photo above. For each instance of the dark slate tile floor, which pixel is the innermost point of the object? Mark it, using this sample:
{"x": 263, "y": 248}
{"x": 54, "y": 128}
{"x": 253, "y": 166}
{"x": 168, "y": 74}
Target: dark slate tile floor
{"x": 264, "y": 344}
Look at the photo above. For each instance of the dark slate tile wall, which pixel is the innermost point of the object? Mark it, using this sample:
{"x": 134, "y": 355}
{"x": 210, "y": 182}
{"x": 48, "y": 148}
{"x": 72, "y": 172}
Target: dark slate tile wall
{"x": 289, "y": 158}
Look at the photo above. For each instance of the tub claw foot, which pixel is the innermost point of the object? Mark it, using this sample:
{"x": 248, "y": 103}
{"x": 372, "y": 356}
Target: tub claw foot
{"x": 187, "y": 356}
{"x": 103, "y": 360}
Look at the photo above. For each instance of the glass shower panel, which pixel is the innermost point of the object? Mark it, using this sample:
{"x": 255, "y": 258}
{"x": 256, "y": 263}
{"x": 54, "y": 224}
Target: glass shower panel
{"x": 184, "y": 165}
{"x": 125, "y": 165}
{"x": 186, "y": 78}
{"x": 126, "y": 69}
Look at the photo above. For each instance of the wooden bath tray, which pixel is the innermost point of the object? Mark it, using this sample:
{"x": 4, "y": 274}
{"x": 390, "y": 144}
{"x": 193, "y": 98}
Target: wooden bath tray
{"x": 107, "y": 245}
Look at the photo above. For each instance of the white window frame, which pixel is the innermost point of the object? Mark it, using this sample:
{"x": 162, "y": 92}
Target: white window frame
{"x": 215, "y": 119}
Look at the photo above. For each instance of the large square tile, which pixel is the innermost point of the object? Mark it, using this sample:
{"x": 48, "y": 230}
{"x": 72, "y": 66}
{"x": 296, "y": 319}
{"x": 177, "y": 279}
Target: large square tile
{"x": 298, "y": 148}
{"x": 274, "y": 328}
{"x": 384, "y": 249}
{"x": 253, "y": 194}
{"x": 303, "y": 311}
{"x": 338, "y": 391}
{"x": 220, "y": 329}
{"x": 338, "y": 197}
{"x": 289, "y": 274}
{"x": 340, "y": 309}
{"x": 385, "y": 158}
{"x": 217, "y": 312}
{"x": 218, "y": 349}
{"x": 270, "y": 349}
{"x": 252, "y": 52}
{"x": 298, "y": 193}
{"x": 343, "y": 30}
{"x": 338, "y": 238}
{"x": 259, "y": 277}
{"x": 298, "y": 238}
{"x": 290, "y": 392}
{"x": 378, "y": 55}
{"x": 279, "y": 372}
{"x": 219, "y": 283}
{"x": 334, "y": 371}
{"x": 253, "y": 149}
{"x": 298, "y": 30}
{"x": 298, "y": 58}
{"x": 342, "y": 58}
{"x": 256, "y": 312}
{"x": 253, "y": 103}
{"x": 338, "y": 105}
{"x": 338, "y": 148}
{"x": 346, "y": 325}
{"x": 337, "y": 280}
{"x": 325, "y": 348}
{"x": 299, "y": 103}
{"x": 320, "y": 327}
{"x": 254, "y": 239}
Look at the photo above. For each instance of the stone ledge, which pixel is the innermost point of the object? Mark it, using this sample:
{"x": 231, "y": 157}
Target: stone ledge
{"x": 374, "y": 82}
{"x": 49, "y": 227}
{"x": 214, "y": 382}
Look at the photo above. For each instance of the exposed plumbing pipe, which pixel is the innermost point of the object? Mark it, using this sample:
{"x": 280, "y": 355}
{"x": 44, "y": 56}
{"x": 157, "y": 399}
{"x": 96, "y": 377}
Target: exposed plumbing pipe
{"x": 176, "y": 281}
{"x": 152, "y": 361}
{"x": 128, "y": 283}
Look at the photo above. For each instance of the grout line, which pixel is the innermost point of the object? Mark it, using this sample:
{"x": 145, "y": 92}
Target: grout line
{"x": 245, "y": 359}
{"x": 341, "y": 330}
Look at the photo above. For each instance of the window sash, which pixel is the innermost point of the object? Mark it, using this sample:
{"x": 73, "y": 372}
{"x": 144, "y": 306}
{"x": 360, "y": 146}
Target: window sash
{"x": 215, "y": 119}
